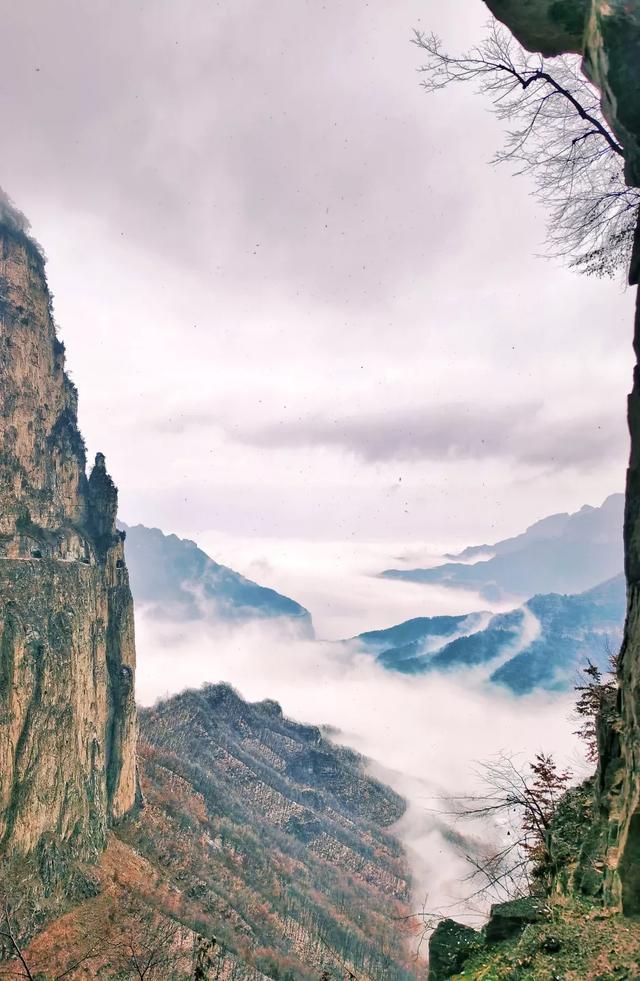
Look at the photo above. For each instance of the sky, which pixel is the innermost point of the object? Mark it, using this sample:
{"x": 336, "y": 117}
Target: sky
{"x": 311, "y": 329}
{"x": 298, "y": 302}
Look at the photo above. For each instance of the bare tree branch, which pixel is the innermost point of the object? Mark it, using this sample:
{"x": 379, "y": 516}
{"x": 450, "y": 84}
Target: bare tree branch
{"x": 558, "y": 135}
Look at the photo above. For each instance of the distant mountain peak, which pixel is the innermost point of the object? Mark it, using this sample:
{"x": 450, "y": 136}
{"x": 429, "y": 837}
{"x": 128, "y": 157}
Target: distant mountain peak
{"x": 540, "y": 645}
{"x": 179, "y": 580}
{"x": 564, "y": 552}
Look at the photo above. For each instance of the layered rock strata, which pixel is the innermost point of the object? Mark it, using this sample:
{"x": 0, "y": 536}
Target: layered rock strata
{"x": 67, "y": 654}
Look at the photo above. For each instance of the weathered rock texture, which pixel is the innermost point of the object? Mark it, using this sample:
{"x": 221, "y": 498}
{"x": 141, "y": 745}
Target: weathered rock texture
{"x": 619, "y": 775}
{"x": 608, "y": 34}
{"x": 67, "y": 655}
{"x": 549, "y": 26}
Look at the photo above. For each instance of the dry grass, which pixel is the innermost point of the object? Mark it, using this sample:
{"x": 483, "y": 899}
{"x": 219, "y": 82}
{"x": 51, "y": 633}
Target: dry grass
{"x": 592, "y": 945}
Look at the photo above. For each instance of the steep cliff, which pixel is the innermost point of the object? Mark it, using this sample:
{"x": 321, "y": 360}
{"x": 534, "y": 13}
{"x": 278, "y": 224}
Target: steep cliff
{"x": 261, "y": 840}
{"x": 607, "y": 32}
{"x": 67, "y": 655}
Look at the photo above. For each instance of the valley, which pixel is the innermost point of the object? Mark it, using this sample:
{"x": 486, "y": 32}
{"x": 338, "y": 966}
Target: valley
{"x": 349, "y": 696}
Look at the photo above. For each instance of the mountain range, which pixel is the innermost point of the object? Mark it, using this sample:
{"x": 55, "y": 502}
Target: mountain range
{"x": 541, "y": 644}
{"x": 564, "y": 553}
{"x": 181, "y": 582}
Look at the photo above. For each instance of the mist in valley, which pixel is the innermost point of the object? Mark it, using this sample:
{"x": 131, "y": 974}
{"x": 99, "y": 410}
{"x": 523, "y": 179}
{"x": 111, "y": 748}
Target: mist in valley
{"x": 339, "y": 581}
{"x": 425, "y": 736}
{"x": 309, "y": 338}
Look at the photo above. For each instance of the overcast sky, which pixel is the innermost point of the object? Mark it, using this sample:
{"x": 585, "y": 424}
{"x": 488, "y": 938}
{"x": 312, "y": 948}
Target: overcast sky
{"x": 297, "y": 300}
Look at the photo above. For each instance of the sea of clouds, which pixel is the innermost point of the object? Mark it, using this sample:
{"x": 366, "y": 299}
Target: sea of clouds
{"x": 425, "y": 736}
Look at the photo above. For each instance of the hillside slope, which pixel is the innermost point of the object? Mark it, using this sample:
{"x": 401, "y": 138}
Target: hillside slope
{"x": 267, "y": 846}
{"x": 277, "y": 834}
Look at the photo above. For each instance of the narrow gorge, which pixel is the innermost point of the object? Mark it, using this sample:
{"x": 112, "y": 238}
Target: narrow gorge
{"x": 252, "y": 845}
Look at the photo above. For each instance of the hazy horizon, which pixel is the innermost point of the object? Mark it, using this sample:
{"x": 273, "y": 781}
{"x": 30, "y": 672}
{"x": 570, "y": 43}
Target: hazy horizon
{"x": 339, "y": 582}
{"x": 314, "y": 328}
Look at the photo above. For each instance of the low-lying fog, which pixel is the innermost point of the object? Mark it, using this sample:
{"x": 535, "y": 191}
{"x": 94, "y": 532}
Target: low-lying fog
{"x": 424, "y": 735}
{"x": 338, "y": 582}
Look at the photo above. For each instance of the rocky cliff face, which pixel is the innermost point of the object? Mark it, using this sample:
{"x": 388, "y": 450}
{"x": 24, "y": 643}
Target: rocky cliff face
{"x": 264, "y": 850}
{"x": 548, "y": 26}
{"x": 67, "y": 656}
{"x": 619, "y": 772}
{"x": 607, "y": 32}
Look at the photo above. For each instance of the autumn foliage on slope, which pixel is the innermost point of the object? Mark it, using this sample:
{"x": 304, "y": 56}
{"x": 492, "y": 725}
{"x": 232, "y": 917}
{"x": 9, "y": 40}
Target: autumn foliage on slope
{"x": 262, "y": 851}
{"x": 277, "y": 835}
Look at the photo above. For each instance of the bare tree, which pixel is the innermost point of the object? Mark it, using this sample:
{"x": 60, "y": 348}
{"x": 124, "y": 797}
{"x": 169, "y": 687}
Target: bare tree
{"x": 524, "y": 801}
{"x": 11, "y": 941}
{"x": 520, "y": 802}
{"x": 133, "y": 941}
{"x": 558, "y": 135}
{"x": 19, "y": 918}
{"x": 142, "y": 943}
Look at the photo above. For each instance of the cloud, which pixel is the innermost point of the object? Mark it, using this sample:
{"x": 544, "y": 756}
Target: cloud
{"x": 243, "y": 233}
{"x": 424, "y": 736}
{"x": 177, "y": 423}
{"x": 339, "y": 581}
{"x": 522, "y": 433}
{"x": 284, "y": 161}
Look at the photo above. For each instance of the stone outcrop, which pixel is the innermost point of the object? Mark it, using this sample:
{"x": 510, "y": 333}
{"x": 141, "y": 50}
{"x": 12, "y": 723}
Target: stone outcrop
{"x": 607, "y": 32}
{"x": 67, "y": 654}
{"x": 550, "y": 26}
{"x": 619, "y": 736}
{"x": 452, "y": 945}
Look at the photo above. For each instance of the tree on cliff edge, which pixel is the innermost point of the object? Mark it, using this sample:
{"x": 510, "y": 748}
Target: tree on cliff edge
{"x": 558, "y": 135}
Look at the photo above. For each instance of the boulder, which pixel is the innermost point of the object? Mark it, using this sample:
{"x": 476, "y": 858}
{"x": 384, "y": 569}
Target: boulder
{"x": 509, "y": 919}
{"x": 450, "y": 947}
